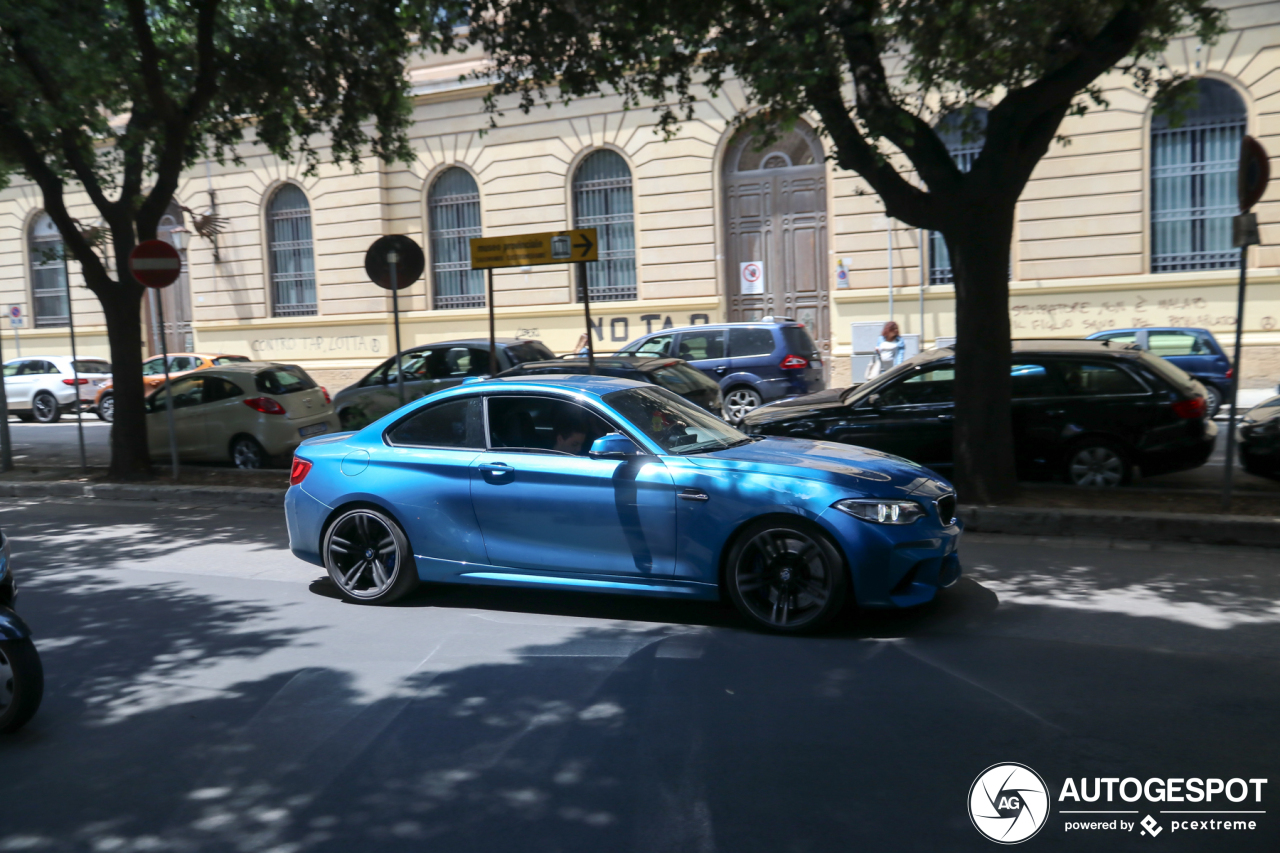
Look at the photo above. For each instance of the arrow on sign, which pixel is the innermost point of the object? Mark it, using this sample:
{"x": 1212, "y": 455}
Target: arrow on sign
{"x": 585, "y": 245}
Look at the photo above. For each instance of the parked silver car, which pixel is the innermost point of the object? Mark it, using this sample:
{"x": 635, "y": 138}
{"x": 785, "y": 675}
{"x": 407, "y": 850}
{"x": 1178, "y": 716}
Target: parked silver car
{"x": 44, "y": 387}
{"x": 249, "y": 413}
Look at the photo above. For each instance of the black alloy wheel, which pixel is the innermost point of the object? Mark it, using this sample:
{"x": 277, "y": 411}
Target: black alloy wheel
{"x": 785, "y": 576}
{"x": 246, "y": 452}
{"x": 107, "y": 408}
{"x": 21, "y": 683}
{"x": 45, "y": 409}
{"x": 368, "y": 557}
{"x": 1098, "y": 463}
{"x": 1212, "y": 401}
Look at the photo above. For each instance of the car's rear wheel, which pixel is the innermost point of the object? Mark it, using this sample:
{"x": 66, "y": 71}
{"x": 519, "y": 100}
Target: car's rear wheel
{"x": 368, "y": 557}
{"x": 45, "y": 409}
{"x": 246, "y": 452}
{"x": 1098, "y": 463}
{"x": 107, "y": 408}
{"x": 785, "y": 576}
{"x": 739, "y": 401}
{"x": 1212, "y": 401}
{"x": 21, "y": 683}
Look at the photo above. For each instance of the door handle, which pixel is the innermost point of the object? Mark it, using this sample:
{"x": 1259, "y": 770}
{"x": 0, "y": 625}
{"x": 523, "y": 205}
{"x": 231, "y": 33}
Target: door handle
{"x": 720, "y": 370}
{"x": 496, "y": 468}
{"x": 694, "y": 495}
{"x": 1056, "y": 412}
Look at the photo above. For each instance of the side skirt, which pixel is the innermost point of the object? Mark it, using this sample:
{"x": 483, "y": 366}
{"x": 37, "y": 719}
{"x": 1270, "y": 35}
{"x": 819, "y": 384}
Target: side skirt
{"x": 450, "y": 571}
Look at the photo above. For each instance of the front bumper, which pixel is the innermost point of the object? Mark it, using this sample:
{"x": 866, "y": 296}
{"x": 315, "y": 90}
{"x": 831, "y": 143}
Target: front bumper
{"x": 897, "y": 565}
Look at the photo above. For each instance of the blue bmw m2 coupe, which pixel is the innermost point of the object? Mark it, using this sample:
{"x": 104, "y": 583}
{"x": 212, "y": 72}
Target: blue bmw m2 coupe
{"x": 598, "y": 483}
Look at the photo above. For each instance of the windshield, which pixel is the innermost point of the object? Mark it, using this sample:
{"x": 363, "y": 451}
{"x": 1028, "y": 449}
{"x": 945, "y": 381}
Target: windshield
{"x": 528, "y": 351}
{"x": 866, "y": 389}
{"x": 674, "y": 425}
{"x": 683, "y": 379}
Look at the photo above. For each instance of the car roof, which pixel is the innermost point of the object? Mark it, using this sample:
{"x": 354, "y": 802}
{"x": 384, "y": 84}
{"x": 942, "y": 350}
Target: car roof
{"x": 468, "y": 342}
{"x": 596, "y": 386}
{"x": 1152, "y": 329}
{"x": 756, "y": 324}
{"x": 245, "y": 366}
{"x": 1051, "y": 346}
{"x": 643, "y": 363}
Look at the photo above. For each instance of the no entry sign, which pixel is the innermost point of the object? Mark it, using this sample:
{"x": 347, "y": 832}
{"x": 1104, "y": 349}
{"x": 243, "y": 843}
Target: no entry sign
{"x": 154, "y": 263}
{"x": 752, "y": 273}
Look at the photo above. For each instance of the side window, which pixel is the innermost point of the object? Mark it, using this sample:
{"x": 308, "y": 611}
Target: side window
{"x": 453, "y": 423}
{"x": 414, "y": 365}
{"x": 182, "y": 363}
{"x": 13, "y": 368}
{"x": 153, "y": 367}
{"x": 216, "y": 388}
{"x": 543, "y": 424}
{"x": 1033, "y": 380}
{"x": 229, "y": 359}
{"x": 932, "y": 386}
{"x": 695, "y": 346}
{"x": 99, "y": 367}
{"x": 465, "y": 361}
{"x": 1120, "y": 337}
{"x": 659, "y": 345}
{"x": 1165, "y": 344}
{"x": 744, "y": 343}
{"x": 186, "y": 393}
{"x": 1086, "y": 379}
{"x": 45, "y": 367}
{"x": 379, "y": 376}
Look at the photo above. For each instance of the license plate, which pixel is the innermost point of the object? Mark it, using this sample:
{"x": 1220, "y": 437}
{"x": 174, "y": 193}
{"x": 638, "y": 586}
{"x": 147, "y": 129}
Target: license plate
{"x": 314, "y": 429}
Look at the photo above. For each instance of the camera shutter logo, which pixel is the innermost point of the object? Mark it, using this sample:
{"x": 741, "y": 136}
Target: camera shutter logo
{"x": 1008, "y": 803}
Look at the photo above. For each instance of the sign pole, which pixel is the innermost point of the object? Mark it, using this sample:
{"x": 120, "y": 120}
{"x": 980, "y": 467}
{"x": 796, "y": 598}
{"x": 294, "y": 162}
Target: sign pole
{"x": 168, "y": 391}
{"x": 493, "y": 340}
{"x": 586, "y": 311}
{"x": 393, "y": 258}
{"x": 1235, "y": 386}
{"x": 75, "y": 377}
{"x": 6, "y": 449}
{"x": 15, "y": 321}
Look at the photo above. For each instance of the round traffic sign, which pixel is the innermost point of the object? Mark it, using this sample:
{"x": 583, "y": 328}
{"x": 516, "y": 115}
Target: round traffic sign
{"x": 154, "y": 263}
{"x": 1255, "y": 171}
{"x": 15, "y": 311}
{"x": 404, "y": 252}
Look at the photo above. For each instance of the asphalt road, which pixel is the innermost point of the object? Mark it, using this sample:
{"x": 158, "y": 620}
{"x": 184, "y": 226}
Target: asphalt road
{"x": 207, "y": 692}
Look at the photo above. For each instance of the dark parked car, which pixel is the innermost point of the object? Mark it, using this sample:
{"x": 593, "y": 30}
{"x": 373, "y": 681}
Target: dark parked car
{"x": 670, "y": 373}
{"x": 1259, "y": 436}
{"x": 428, "y": 369}
{"x": 1194, "y": 350}
{"x": 1085, "y": 411}
{"x": 754, "y": 363}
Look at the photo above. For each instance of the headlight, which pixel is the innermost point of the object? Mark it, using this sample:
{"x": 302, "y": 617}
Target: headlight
{"x": 880, "y": 511}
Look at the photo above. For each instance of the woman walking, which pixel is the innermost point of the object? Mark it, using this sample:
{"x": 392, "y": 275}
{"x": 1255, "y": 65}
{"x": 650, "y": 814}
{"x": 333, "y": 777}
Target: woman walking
{"x": 890, "y": 349}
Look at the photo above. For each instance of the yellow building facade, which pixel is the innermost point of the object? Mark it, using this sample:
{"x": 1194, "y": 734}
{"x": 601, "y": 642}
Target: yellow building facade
{"x": 1121, "y": 227}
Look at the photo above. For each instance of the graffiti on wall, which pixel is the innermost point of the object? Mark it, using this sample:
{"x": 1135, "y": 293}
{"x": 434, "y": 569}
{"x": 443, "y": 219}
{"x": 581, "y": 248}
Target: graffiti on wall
{"x": 1086, "y": 317}
{"x": 316, "y": 344}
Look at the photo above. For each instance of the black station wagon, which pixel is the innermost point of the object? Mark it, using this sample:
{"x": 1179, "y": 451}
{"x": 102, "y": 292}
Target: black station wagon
{"x": 1087, "y": 411}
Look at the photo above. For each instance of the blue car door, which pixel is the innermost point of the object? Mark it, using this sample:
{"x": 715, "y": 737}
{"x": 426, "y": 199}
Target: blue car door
{"x": 543, "y": 504}
{"x": 1189, "y": 351}
{"x": 705, "y": 349}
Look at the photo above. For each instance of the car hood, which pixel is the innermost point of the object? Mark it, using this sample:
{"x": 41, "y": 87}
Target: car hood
{"x": 858, "y": 468}
{"x": 796, "y": 407}
{"x": 1267, "y": 410}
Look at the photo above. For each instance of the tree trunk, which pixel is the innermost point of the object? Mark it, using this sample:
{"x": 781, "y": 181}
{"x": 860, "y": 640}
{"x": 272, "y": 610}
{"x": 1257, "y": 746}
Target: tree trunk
{"x": 121, "y": 302}
{"x": 983, "y": 440}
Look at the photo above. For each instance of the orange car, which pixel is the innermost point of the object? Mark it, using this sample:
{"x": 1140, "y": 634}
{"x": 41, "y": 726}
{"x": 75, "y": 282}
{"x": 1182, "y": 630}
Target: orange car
{"x": 153, "y": 375}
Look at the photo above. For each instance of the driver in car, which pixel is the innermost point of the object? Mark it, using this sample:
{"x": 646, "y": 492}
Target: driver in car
{"x": 570, "y": 436}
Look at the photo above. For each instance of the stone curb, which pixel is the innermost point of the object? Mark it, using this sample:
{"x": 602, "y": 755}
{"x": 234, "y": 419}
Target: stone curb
{"x": 176, "y": 495}
{"x": 1250, "y": 530}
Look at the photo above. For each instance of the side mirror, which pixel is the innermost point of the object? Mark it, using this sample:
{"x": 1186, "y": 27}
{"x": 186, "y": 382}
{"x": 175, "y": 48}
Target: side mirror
{"x": 615, "y": 445}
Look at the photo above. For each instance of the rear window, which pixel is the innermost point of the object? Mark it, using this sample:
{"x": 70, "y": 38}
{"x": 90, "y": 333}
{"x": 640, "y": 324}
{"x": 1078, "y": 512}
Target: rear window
{"x": 283, "y": 380}
{"x": 683, "y": 379}
{"x": 1170, "y": 372}
{"x": 528, "y": 351}
{"x": 230, "y": 359}
{"x": 85, "y": 366}
{"x": 798, "y": 341}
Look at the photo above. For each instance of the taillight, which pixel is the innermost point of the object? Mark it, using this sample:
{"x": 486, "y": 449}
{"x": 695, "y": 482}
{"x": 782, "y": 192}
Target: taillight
{"x": 265, "y": 405}
{"x": 298, "y": 473}
{"x": 1230, "y": 372}
{"x": 1189, "y": 409}
{"x": 75, "y": 382}
{"x": 794, "y": 362}
{"x": 327, "y": 398}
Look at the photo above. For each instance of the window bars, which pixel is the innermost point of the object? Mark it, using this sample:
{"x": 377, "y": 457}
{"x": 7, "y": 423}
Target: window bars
{"x": 49, "y": 295}
{"x": 602, "y": 200}
{"x": 964, "y": 132}
{"x": 293, "y": 270}
{"x": 1193, "y": 183}
{"x": 453, "y": 216}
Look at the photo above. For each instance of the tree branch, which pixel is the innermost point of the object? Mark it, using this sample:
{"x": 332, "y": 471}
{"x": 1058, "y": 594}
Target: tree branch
{"x": 206, "y": 83}
{"x": 149, "y": 60}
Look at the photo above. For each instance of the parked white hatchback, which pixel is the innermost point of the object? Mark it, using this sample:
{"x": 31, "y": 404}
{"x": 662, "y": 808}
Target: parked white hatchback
{"x": 249, "y": 413}
{"x": 44, "y": 387}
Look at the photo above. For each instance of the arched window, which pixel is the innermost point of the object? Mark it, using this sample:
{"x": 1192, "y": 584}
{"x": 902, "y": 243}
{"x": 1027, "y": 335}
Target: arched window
{"x": 602, "y": 200}
{"x": 1193, "y": 182}
{"x": 964, "y": 132}
{"x": 293, "y": 265}
{"x": 49, "y": 296}
{"x": 453, "y": 215}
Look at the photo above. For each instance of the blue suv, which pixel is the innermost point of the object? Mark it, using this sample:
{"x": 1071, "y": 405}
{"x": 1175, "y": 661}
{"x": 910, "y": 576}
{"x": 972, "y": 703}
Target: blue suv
{"x": 754, "y": 363}
{"x": 1194, "y": 350}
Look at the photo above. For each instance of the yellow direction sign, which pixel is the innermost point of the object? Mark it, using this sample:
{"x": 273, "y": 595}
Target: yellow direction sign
{"x": 528, "y": 250}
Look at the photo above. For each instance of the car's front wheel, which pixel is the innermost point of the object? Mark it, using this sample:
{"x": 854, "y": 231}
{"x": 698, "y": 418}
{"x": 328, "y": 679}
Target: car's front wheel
{"x": 1098, "y": 463}
{"x": 739, "y": 401}
{"x": 21, "y": 683}
{"x": 107, "y": 408}
{"x": 368, "y": 557}
{"x": 786, "y": 576}
{"x": 45, "y": 409}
